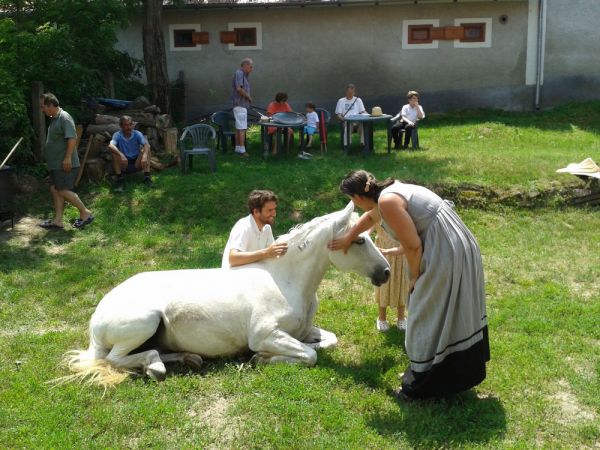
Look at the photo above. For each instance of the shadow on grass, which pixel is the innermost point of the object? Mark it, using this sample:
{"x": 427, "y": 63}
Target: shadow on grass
{"x": 466, "y": 418}
{"x": 453, "y": 421}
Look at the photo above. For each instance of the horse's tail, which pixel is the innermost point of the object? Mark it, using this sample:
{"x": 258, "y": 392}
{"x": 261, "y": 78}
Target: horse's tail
{"x": 89, "y": 367}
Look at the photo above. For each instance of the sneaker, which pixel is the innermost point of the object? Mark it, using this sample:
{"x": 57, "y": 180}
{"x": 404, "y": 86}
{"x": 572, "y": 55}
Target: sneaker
{"x": 382, "y": 325}
{"x": 401, "y": 324}
{"x": 119, "y": 178}
{"x": 148, "y": 182}
{"x": 307, "y": 154}
{"x": 303, "y": 156}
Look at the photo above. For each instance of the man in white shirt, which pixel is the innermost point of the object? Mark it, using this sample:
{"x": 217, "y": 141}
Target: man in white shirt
{"x": 251, "y": 239}
{"x": 350, "y": 106}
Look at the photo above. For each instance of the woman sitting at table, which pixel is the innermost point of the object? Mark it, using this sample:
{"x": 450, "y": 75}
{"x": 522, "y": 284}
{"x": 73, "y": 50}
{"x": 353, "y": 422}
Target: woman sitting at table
{"x": 279, "y": 105}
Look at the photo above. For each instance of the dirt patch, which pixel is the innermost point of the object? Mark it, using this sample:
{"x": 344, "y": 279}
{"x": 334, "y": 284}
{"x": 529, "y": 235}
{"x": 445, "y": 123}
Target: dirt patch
{"x": 13, "y": 332}
{"x": 212, "y": 413}
{"x": 571, "y": 410}
{"x": 26, "y": 230}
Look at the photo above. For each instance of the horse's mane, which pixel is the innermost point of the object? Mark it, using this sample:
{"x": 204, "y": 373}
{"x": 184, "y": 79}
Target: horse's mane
{"x": 297, "y": 235}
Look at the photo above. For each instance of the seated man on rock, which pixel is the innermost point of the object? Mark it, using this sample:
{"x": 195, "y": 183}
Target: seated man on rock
{"x": 130, "y": 151}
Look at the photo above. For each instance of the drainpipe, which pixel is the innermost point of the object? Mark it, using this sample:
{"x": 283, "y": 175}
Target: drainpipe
{"x": 540, "y": 50}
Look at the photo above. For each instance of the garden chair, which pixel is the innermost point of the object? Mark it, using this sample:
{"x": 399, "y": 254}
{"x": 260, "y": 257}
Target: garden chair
{"x": 224, "y": 121}
{"x": 324, "y": 118}
{"x": 198, "y": 140}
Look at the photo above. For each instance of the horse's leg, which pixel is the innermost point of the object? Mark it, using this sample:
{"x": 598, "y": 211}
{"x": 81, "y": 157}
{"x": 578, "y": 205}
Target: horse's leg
{"x": 129, "y": 334}
{"x": 191, "y": 360}
{"x": 149, "y": 361}
{"x": 319, "y": 338}
{"x": 279, "y": 346}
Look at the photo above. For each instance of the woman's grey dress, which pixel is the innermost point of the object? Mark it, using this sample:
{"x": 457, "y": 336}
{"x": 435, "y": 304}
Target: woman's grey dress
{"x": 447, "y": 336}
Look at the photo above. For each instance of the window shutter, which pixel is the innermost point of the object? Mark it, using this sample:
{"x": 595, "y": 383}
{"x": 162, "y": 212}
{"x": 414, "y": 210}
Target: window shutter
{"x": 451, "y": 33}
{"x": 447, "y": 33}
{"x": 200, "y": 37}
{"x": 228, "y": 37}
{"x": 437, "y": 33}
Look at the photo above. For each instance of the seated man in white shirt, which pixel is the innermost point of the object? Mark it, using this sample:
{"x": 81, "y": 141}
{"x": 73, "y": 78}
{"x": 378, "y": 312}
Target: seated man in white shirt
{"x": 350, "y": 106}
{"x": 251, "y": 239}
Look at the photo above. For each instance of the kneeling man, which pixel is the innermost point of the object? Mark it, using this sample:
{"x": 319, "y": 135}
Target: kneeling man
{"x": 130, "y": 151}
{"x": 251, "y": 239}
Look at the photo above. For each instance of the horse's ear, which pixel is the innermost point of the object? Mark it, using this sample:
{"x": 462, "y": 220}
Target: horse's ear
{"x": 342, "y": 220}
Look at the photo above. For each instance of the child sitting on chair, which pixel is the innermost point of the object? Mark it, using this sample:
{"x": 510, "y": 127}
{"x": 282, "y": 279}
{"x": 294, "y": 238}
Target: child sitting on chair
{"x": 312, "y": 124}
{"x": 410, "y": 114}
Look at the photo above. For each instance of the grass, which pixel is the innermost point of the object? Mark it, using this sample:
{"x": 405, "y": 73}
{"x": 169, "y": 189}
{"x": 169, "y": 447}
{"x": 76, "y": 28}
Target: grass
{"x": 542, "y": 285}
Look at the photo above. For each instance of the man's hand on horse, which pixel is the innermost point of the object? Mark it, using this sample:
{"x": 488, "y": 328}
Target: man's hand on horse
{"x": 276, "y": 250}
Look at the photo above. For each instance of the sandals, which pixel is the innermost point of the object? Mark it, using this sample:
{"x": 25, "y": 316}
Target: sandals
{"x": 81, "y": 223}
{"x": 49, "y": 225}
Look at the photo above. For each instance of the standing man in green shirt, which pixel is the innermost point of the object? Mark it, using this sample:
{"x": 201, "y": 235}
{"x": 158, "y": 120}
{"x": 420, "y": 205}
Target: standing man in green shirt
{"x": 62, "y": 159}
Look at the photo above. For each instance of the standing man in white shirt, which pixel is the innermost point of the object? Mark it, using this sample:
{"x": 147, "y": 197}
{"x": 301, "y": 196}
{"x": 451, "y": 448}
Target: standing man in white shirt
{"x": 347, "y": 106}
{"x": 410, "y": 114}
{"x": 251, "y": 239}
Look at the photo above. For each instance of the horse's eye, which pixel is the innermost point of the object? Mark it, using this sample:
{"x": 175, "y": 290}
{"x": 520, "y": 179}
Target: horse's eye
{"x": 359, "y": 241}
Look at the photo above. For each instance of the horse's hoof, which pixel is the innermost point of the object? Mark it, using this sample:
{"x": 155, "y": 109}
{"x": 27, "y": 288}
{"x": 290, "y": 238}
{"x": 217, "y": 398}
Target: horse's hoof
{"x": 193, "y": 361}
{"x": 157, "y": 371}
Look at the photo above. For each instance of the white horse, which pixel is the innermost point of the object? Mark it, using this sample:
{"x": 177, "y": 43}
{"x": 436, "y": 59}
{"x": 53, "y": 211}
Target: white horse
{"x": 185, "y": 315}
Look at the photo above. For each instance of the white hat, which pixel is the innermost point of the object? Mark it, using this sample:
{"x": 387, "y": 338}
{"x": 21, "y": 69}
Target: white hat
{"x": 587, "y": 167}
{"x": 376, "y": 111}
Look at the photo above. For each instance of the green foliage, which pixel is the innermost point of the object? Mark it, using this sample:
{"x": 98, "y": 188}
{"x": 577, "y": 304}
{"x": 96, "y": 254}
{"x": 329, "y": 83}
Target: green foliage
{"x": 14, "y": 122}
{"x": 68, "y": 45}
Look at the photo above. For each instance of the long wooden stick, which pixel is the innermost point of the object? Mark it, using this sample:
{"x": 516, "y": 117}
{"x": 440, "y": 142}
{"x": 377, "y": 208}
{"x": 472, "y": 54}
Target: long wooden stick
{"x": 11, "y": 152}
{"x": 85, "y": 155}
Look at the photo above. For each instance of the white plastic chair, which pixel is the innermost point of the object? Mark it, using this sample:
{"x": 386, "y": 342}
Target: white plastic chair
{"x": 198, "y": 139}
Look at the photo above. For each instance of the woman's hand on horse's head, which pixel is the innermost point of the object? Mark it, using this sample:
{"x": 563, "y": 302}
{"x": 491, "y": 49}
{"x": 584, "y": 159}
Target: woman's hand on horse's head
{"x": 342, "y": 243}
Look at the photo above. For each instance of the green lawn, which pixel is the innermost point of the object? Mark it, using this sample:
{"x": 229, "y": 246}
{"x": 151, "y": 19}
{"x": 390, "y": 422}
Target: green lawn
{"x": 543, "y": 295}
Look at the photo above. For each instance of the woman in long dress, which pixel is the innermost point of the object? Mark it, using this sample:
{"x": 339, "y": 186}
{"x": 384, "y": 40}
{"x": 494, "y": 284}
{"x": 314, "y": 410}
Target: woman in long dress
{"x": 447, "y": 334}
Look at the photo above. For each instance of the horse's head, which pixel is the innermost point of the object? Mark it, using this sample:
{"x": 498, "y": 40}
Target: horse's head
{"x": 362, "y": 256}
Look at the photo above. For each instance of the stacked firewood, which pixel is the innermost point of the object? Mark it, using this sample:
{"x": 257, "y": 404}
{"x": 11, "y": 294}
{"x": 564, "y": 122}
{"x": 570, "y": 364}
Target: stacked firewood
{"x": 146, "y": 117}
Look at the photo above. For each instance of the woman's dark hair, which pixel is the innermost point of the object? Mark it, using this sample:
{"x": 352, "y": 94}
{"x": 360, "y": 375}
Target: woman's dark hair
{"x": 258, "y": 198}
{"x": 281, "y": 97}
{"x": 361, "y": 182}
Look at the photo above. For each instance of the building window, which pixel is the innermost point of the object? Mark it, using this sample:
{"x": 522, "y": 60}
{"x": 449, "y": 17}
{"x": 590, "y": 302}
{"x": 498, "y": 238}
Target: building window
{"x": 474, "y": 32}
{"x": 477, "y": 32}
{"x": 418, "y": 34}
{"x": 185, "y": 37}
{"x": 244, "y": 36}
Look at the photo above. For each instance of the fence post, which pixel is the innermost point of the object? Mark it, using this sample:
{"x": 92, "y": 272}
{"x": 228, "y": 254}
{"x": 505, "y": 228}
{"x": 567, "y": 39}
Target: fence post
{"x": 110, "y": 84}
{"x": 38, "y": 119}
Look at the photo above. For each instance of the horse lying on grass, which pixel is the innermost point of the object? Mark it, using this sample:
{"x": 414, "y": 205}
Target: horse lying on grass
{"x": 185, "y": 315}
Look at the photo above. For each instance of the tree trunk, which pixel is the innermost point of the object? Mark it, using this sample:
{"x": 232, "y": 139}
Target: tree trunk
{"x": 154, "y": 55}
